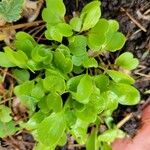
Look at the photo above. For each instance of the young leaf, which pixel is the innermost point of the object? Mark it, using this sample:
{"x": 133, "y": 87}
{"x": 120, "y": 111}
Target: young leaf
{"x": 64, "y": 64}
{"x": 127, "y": 94}
{"x": 50, "y": 83}
{"x": 76, "y": 23}
{"x": 77, "y": 45}
{"x": 19, "y": 58}
{"x": 101, "y": 81}
{"x": 28, "y": 43}
{"x": 7, "y": 129}
{"x": 54, "y": 12}
{"x": 64, "y": 29}
{"x": 110, "y": 135}
{"x": 5, "y": 114}
{"x": 96, "y": 36}
{"x": 117, "y": 41}
{"x": 54, "y": 127}
{"x": 90, "y": 62}
{"x": 24, "y": 88}
{"x": 41, "y": 53}
{"x": 54, "y": 102}
{"x": 73, "y": 83}
{"x": 120, "y": 77}
{"x": 127, "y": 61}
{"x": 34, "y": 121}
{"x": 21, "y": 75}
{"x": 4, "y": 61}
{"x": 38, "y": 91}
{"x": 79, "y": 131}
{"x": 84, "y": 89}
{"x": 10, "y": 10}
{"x": 92, "y": 143}
{"x": 90, "y": 15}
{"x": 111, "y": 100}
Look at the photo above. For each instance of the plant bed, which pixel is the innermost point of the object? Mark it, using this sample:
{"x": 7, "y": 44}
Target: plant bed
{"x": 67, "y": 89}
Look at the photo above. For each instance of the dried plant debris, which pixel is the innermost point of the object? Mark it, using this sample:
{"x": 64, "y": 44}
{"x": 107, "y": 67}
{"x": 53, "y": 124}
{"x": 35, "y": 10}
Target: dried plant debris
{"x": 32, "y": 9}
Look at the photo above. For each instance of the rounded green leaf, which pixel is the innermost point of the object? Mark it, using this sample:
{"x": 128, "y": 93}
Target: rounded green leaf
{"x": 120, "y": 77}
{"x": 110, "y": 135}
{"x": 54, "y": 102}
{"x": 4, "y": 61}
{"x": 84, "y": 89}
{"x": 90, "y": 15}
{"x": 90, "y": 62}
{"x": 51, "y": 129}
{"x": 127, "y": 61}
{"x": 64, "y": 29}
{"x": 54, "y": 83}
{"x": 117, "y": 41}
{"x": 127, "y": 94}
{"x": 77, "y": 45}
{"x": 54, "y": 12}
{"x": 76, "y": 23}
{"x": 21, "y": 75}
{"x": 96, "y": 36}
{"x": 5, "y": 114}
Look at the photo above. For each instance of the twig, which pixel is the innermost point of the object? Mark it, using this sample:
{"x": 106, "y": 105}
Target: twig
{"x": 134, "y": 20}
{"x": 124, "y": 120}
{"x": 18, "y": 26}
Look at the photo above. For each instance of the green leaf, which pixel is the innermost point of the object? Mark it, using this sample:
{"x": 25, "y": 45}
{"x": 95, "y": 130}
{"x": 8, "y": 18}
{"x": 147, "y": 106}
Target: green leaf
{"x": 110, "y": 135}
{"x": 41, "y": 53}
{"x": 90, "y": 62}
{"x": 38, "y": 91}
{"x": 19, "y": 58}
{"x": 40, "y": 146}
{"x": 90, "y": 15}
{"x": 79, "y": 131}
{"x": 96, "y": 36}
{"x": 50, "y": 83}
{"x": 59, "y": 31}
{"x": 64, "y": 29}
{"x": 54, "y": 34}
{"x": 28, "y": 43}
{"x": 78, "y": 60}
{"x": 62, "y": 140}
{"x": 64, "y": 64}
{"x": 54, "y": 102}
{"x": 92, "y": 143}
{"x": 7, "y": 129}
{"x": 101, "y": 81}
{"x": 84, "y": 89}
{"x": 111, "y": 100}
{"x": 21, "y": 75}
{"x": 23, "y": 92}
{"x": 4, "y": 61}
{"x": 34, "y": 121}
{"x": 76, "y": 23}
{"x": 77, "y": 45}
{"x": 127, "y": 61}
{"x": 88, "y": 114}
{"x": 127, "y": 94}
{"x": 54, "y": 12}
{"x": 5, "y": 114}
{"x": 24, "y": 88}
{"x": 51, "y": 129}
{"x": 10, "y": 10}
{"x": 73, "y": 83}
{"x": 117, "y": 41}
{"x": 120, "y": 77}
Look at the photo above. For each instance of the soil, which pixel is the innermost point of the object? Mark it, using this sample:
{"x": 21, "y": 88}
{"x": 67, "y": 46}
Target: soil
{"x": 138, "y": 42}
